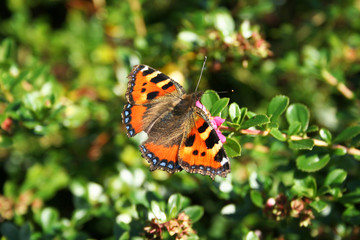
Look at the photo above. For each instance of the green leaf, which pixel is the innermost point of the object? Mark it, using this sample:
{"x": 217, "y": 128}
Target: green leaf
{"x": 209, "y": 98}
{"x": 325, "y": 135}
{"x": 219, "y": 106}
{"x": 303, "y": 144}
{"x": 305, "y": 187}
{"x": 277, "y": 106}
{"x": 257, "y": 120}
{"x": 243, "y": 114}
{"x": 256, "y": 198}
{"x": 176, "y": 202}
{"x": 158, "y": 211}
{"x": 234, "y": 112}
{"x": 49, "y": 219}
{"x": 5, "y": 141}
{"x": 312, "y": 128}
{"x": 25, "y": 232}
{"x": 7, "y": 50}
{"x": 194, "y": 212}
{"x": 173, "y": 205}
{"x": 294, "y": 128}
{"x": 336, "y": 193}
{"x": 273, "y": 125}
{"x": 236, "y": 126}
{"x": 312, "y": 163}
{"x": 223, "y": 22}
{"x": 336, "y": 176}
{"x": 318, "y": 205}
{"x": 352, "y": 215}
{"x": 251, "y": 236}
{"x": 276, "y": 133}
{"x": 125, "y": 236}
{"x": 298, "y": 112}
{"x": 340, "y": 151}
{"x": 9, "y": 230}
{"x": 351, "y": 197}
{"x": 348, "y": 134}
{"x": 232, "y": 147}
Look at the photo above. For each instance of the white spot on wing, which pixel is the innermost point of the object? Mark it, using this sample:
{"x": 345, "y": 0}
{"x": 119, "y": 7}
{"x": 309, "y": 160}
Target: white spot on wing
{"x": 223, "y": 161}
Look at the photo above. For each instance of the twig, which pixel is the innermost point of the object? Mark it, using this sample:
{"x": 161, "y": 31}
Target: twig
{"x": 329, "y": 78}
{"x": 139, "y": 22}
{"x": 317, "y": 142}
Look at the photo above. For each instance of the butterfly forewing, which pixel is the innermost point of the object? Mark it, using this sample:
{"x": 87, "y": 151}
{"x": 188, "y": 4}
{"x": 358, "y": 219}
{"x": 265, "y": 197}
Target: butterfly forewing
{"x": 146, "y": 84}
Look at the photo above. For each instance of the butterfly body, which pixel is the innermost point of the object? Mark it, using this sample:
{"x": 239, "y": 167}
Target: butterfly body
{"x": 180, "y": 135}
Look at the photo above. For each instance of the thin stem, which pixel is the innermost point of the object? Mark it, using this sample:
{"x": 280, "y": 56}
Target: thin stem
{"x": 317, "y": 142}
{"x": 341, "y": 87}
{"x": 139, "y": 22}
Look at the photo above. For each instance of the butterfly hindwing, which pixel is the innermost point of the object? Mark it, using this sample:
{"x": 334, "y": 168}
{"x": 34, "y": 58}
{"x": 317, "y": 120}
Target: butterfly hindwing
{"x": 201, "y": 150}
{"x": 161, "y": 157}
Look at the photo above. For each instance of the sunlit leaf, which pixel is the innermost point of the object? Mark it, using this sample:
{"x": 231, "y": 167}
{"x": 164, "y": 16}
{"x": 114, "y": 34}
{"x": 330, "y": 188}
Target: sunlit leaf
{"x": 194, "y": 212}
{"x": 300, "y": 113}
{"x": 277, "y": 106}
{"x": 256, "y": 198}
{"x": 312, "y": 163}
{"x": 232, "y": 147}
{"x": 218, "y": 106}
{"x": 336, "y": 176}
{"x": 302, "y": 144}
{"x": 348, "y": 134}
{"x": 257, "y": 120}
{"x": 209, "y": 98}
{"x": 234, "y": 112}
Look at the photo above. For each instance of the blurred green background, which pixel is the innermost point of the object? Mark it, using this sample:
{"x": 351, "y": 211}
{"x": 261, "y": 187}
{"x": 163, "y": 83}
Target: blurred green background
{"x": 67, "y": 168}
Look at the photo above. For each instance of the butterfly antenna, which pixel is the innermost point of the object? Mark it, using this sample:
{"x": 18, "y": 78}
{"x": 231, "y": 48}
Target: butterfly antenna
{"x": 231, "y": 91}
{"x": 202, "y": 69}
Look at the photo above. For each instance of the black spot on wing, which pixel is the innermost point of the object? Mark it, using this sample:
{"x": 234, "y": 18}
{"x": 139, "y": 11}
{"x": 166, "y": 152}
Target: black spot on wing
{"x": 203, "y": 154}
{"x": 220, "y": 155}
{"x": 195, "y": 152}
{"x": 189, "y": 141}
{"x": 166, "y": 86}
{"x": 140, "y": 67}
{"x": 212, "y": 139}
{"x": 143, "y": 90}
{"x": 159, "y": 78}
{"x": 152, "y": 95}
{"x": 148, "y": 71}
{"x": 226, "y": 166}
{"x": 203, "y": 127}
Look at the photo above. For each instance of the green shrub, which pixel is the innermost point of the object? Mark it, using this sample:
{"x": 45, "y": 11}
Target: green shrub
{"x": 68, "y": 171}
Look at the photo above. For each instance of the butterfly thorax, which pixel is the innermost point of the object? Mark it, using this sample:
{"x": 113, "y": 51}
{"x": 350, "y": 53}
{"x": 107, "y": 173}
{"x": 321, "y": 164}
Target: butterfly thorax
{"x": 171, "y": 114}
{"x": 186, "y": 103}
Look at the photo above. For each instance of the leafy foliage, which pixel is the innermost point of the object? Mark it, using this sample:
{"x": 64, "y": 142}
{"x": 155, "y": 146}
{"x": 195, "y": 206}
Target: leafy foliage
{"x": 68, "y": 171}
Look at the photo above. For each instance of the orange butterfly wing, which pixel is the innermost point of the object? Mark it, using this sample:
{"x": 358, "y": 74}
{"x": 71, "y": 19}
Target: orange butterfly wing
{"x": 201, "y": 150}
{"x": 161, "y": 157}
{"x": 145, "y": 85}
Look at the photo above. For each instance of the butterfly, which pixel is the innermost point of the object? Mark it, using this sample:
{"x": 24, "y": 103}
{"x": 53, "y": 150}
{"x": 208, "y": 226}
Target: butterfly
{"x": 180, "y": 134}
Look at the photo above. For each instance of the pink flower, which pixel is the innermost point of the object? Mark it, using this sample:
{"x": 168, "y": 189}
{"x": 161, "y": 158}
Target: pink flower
{"x": 215, "y": 121}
